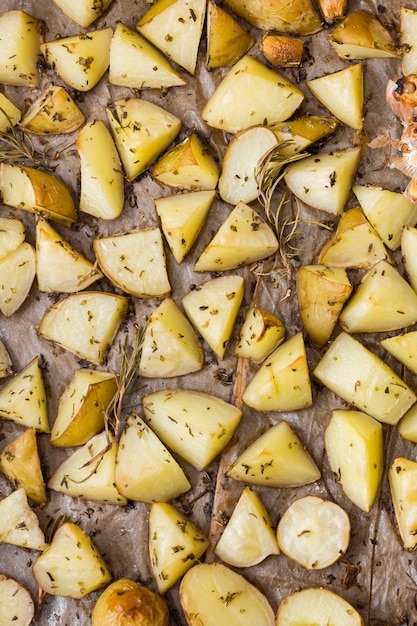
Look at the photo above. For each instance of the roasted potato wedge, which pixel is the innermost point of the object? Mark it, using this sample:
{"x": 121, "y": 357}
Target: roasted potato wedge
{"x": 282, "y": 51}
{"x": 260, "y": 333}
{"x": 360, "y": 35}
{"x": 54, "y": 112}
{"x": 21, "y": 36}
{"x": 227, "y": 41}
{"x": 20, "y": 463}
{"x": 298, "y": 17}
{"x": 318, "y": 605}
{"x": 16, "y": 604}
{"x": 19, "y": 524}
{"x": 17, "y": 271}
{"x": 402, "y": 480}
{"x": 83, "y": 12}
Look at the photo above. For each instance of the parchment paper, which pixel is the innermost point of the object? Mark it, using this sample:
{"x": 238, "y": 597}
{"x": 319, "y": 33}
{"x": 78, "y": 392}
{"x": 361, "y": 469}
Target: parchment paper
{"x": 376, "y": 575}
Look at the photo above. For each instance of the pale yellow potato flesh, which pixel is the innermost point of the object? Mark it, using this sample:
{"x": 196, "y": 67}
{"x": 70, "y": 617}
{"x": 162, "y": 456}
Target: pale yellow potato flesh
{"x": 83, "y": 12}
{"x": 53, "y": 112}
{"x": 12, "y": 234}
{"x": 17, "y": 271}
{"x": 260, "y": 333}
{"x": 175, "y": 544}
{"x": 227, "y": 40}
{"x": 402, "y": 476}
{"x": 21, "y": 35}
{"x": 20, "y": 463}
{"x": 298, "y": 17}
{"x": 203, "y": 591}
{"x": 408, "y": 39}
{"x": 19, "y": 524}
{"x": 355, "y": 449}
{"x": 71, "y": 565}
{"x": 16, "y": 604}
{"x": 317, "y": 606}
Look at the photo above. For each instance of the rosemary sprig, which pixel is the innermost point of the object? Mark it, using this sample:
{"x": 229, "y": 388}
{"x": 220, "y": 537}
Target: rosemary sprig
{"x": 129, "y": 366}
{"x": 17, "y": 145}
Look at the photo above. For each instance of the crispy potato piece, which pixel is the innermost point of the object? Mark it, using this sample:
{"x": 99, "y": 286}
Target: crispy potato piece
{"x": 282, "y": 51}
{"x": 324, "y": 180}
{"x": 242, "y": 239}
{"x": 238, "y": 181}
{"x": 19, "y": 524}
{"x": 135, "y": 262}
{"x": 227, "y": 41}
{"x": 321, "y": 292}
{"x": 282, "y": 383}
{"x": 52, "y": 113}
{"x": 145, "y": 470}
{"x": 402, "y": 476}
{"x": 182, "y": 218}
{"x": 85, "y": 323}
{"x": 20, "y": 463}
{"x": 17, "y": 271}
{"x": 141, "y": 131}
{"x": 213, "y": 307}
{"x": 332, "y": 10}
{"x": 39, "y": 192}
{"x": 59, "y": 267}
{"x": 342, "y": 93}
{"x": 297, "y": 17}
{"x": 23, "y": 399}
{"x": 360, "y": 35}
{"x": 81, "y": 407}
{"x": 355, "y": 243}
{"x": 205, "y": 587}
{"x": 188, "y": 165}
{"x": 260, "y": 333}
{"x": 383, "y": 301}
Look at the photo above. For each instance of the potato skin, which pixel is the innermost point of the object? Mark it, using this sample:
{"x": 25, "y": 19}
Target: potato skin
{"x": 127, "y": 603}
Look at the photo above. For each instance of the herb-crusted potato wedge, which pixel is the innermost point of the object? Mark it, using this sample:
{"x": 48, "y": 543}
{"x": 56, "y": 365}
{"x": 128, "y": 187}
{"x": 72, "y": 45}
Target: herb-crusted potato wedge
{"x": 145, "y": 470}
{"x": 355, "y": 449}
{"x": 227, "y": 41}
{"x": 52, "y": 113}
{"x": 260, "y": 333}
{"x": 195, "y": 425}
{"x": 19, "y": 524}
{"x": 170, "y": 345}
{"x": 83, "y": 12}
{"x": 277, "y": 458}
{"x": 360, "y": 35}
{"x": 80, "y": 60}
{"x": 235, "y": 105}
{"x": 135, "y": 262}
{"x": 102, "y": 183}
{"x": 136, "y": 63}
{"x": 282, "y": 383}
{"x": 213, "y": 307}
{"x": 82, "y": 406}
{"x": 20, "y": 463}
{"x": 10, "y": 114}
{"x": 36, "y": 191}
{"x": 175, "y": 28}
{"x": 89, "y": 472}
{"x": 12, "y": 234}
{"x": 175, "y": 544}
{"x": 23, "y": 398}
{"x": 242, "y": 239}
{"x": 21, "y": 35}
{"x": 59, "y": 267}
{"x": 71, "y": 565}
{"x": 205, "y": 587}
{"x": 85, "y": 323}
{"x": 364, "y": 380}
{"x": 17, "y": 271}
{"x": 141, "y": 131}
{"x": 298, "y": 17}
{"x": 402, "y": 480}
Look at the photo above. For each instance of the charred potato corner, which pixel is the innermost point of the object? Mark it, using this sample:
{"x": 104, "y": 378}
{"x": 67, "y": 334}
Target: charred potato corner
{"x": 208, "y": 310}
